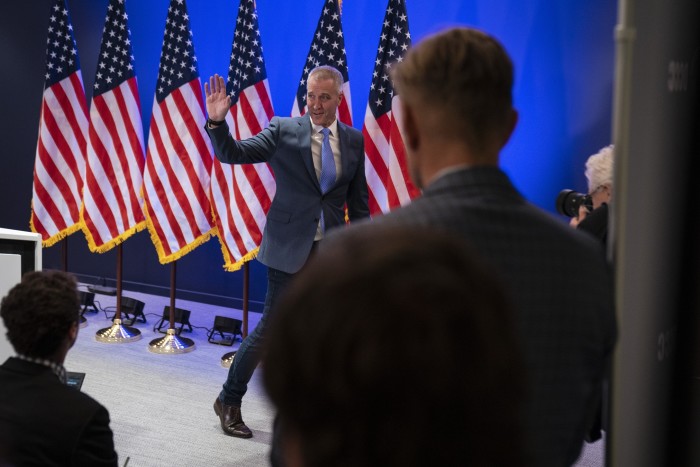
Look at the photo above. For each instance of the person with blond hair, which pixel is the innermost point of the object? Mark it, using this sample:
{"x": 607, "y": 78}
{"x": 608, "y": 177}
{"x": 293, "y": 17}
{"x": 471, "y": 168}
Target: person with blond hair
{"x": 455, "y": 91}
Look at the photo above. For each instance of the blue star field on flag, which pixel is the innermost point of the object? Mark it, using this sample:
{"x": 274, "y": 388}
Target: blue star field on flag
{"x": 393, "y": 44}
{"x": 327, "y": 48}
{"x": 178, "y": 62}
{"x": 61, "y": 50}
{"x": 247, "y": 64}
{"x": 116, "y": 61}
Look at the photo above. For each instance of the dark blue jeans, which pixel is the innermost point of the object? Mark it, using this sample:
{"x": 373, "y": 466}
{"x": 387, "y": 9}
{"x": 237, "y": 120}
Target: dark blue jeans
{"x": 249, "y": 353}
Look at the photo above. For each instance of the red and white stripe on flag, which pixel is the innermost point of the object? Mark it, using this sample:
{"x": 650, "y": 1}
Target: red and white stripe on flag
{"x": 241, "y": 194}
{"x": 179, "y": 157}
{"x": 388, "y": 181}
{"x": 176, "y": 180}
{"x": 59, "y": 167}
{"x": 112, "y": 198}
{"x": 327, "y": 48}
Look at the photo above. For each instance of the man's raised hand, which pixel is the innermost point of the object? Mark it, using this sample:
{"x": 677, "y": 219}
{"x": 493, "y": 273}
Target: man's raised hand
{"x": 218, "y": 102}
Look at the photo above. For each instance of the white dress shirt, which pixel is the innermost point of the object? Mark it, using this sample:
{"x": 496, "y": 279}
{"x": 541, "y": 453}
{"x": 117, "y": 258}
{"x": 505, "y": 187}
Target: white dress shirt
{"x": 316, "y": 143}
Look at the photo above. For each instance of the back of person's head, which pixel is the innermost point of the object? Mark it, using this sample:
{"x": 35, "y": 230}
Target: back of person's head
{"x": 465, "y": 76}
{"x": 39, "y": 311}
{"x": 395, "y": 347}
{"x": 599, "y": 169}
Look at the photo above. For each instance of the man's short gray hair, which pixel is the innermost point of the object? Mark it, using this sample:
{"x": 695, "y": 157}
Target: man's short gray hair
{"x": 327, "y": 72}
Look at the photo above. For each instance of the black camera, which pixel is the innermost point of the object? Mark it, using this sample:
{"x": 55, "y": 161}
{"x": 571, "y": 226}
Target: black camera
{"x": 569, "y": 202}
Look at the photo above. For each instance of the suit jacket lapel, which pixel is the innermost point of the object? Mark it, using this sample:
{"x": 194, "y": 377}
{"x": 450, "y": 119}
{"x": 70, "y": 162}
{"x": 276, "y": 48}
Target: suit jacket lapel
{"x": 344, "y": 150}
{"x": 304, "y": 140}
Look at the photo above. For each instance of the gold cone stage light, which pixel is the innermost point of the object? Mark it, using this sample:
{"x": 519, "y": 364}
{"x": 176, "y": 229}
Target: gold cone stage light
{"x": 171, "y": 343}
{"x": 117, "y": 333}
{"x": 227, "y": 359}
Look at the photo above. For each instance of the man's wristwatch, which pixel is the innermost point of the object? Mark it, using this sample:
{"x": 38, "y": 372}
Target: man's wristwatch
{"x": 214, "y": 123}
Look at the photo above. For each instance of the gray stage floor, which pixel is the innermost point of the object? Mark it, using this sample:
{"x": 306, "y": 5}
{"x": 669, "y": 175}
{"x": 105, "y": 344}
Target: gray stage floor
{"x": 161, "y": 405}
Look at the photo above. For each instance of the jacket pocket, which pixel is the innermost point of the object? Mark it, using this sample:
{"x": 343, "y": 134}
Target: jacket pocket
{"x": 276, "y": 215}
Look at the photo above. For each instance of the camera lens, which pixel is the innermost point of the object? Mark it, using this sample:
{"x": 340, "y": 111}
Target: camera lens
{"x": 569, "y": 201}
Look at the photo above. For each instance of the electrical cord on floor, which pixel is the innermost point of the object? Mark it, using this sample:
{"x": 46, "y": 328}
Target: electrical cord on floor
{"x": 104, "y": 310}
{"x": 202, "y": 327}
{"x": 113, "y": 309}
{"x": 188, "y": 324}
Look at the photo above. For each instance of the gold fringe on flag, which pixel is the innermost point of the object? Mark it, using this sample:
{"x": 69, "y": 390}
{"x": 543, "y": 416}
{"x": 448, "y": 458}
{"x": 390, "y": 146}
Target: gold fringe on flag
{"x": 112, "y": 243}
{"x": 55, "y": 238}
{"x": 162, "y": 257}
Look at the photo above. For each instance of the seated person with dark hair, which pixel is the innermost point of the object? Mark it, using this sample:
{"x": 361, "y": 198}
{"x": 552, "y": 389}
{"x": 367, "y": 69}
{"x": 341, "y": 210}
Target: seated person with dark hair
{"x": 369, "y": 313}
{"x": 43, "y": 422}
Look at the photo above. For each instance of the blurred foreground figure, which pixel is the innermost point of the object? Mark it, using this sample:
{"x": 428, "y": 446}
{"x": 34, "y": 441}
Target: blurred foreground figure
{"x": 395, "y": 348}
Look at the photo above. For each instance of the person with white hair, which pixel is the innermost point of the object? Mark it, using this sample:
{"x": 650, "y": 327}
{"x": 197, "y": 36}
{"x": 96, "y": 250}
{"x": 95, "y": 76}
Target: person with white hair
{"x": 599, "y": 174}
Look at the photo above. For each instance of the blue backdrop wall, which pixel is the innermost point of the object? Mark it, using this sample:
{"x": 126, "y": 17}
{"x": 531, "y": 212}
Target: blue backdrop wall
{"x": 563, "y": 54}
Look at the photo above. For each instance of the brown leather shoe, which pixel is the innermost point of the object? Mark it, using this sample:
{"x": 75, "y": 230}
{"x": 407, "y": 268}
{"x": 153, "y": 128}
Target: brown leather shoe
{"x": 231, "y": 420}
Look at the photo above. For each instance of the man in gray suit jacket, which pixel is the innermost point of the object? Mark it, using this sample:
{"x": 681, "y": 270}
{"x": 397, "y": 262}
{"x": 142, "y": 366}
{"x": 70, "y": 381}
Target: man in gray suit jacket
{"x": 318, "y": 163}
{"x": 455, "y": 90}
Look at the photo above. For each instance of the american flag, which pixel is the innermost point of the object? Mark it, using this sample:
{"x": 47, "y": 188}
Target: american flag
{"x": 385, "y": 160}
{"x": 327, "y": 48}
{"x": 179, "y": 157}
{"x": 59, "y": 167}
{"x": 242, "y": 194}
{"x": 111, "y": 198}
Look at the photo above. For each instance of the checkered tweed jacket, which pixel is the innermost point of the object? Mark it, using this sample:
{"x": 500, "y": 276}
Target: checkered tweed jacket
{"x": 561, "y": 287}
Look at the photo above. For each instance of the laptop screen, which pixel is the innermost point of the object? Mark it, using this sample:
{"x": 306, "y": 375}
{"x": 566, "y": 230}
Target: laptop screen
{"x": 75, "y": 380}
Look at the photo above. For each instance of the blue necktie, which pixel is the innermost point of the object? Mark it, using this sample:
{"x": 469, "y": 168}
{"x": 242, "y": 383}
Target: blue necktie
{"x": 327, "y": 179}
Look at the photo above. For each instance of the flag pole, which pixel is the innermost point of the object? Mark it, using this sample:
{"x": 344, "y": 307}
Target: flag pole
{"x": 118, "y": 333}
{"x": 246, "y": 278}
{"x": 64, "y": 254}
{"x": 227, "y": 358}
{"x": 171, "y": 343}
{"x": 64, "y": 261}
